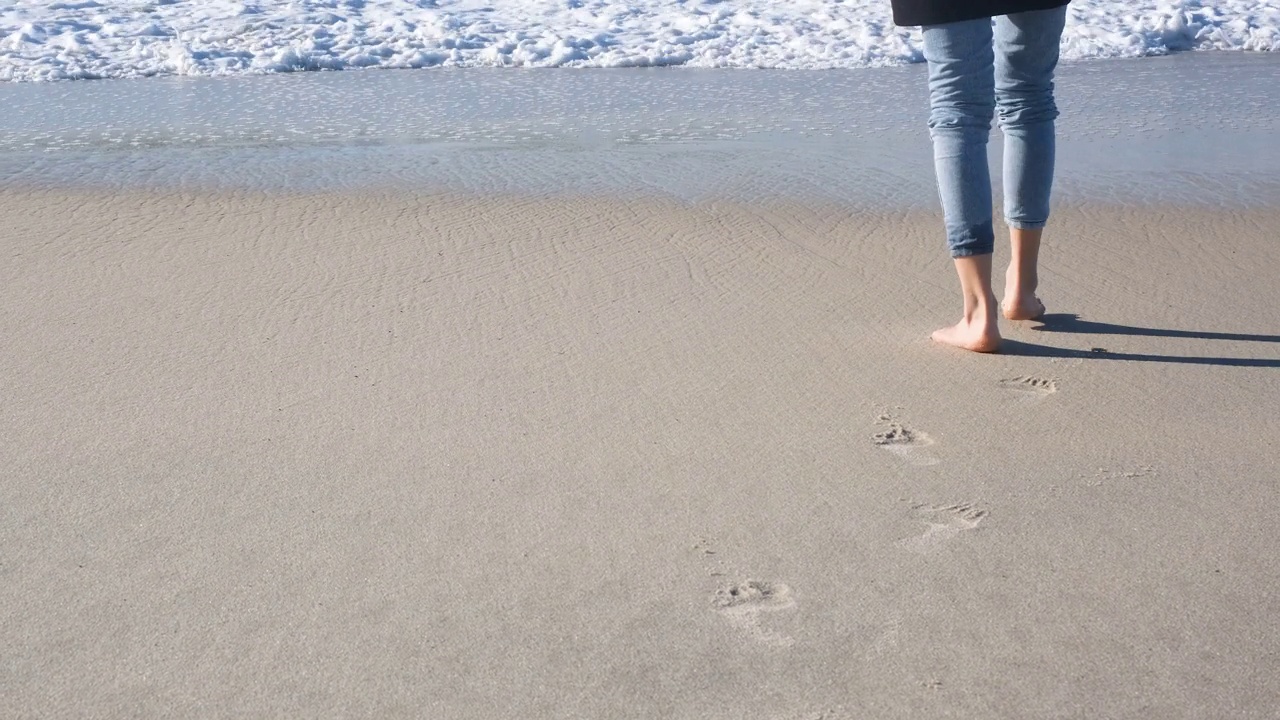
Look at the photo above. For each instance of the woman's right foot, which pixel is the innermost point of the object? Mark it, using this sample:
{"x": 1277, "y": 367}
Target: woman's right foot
{"x": 1020, "y": 301}
{"x": 1024, "y": 306}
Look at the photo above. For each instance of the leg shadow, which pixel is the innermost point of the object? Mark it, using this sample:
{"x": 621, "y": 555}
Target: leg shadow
{"x": 1069, "y": 323}
{"x": 1066, "y": 323}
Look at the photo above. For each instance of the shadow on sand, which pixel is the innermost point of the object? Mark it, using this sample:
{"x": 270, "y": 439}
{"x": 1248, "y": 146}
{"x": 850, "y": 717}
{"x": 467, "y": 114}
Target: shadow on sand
{"x": 1067, "y": 323}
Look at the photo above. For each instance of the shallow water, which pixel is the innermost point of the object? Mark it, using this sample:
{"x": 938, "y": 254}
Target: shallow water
{"x": 1195, "y": 127}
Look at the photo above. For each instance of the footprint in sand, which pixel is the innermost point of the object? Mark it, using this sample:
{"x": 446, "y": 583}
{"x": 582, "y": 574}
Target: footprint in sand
{"x": 743, "y": 604}
{"x": 905, "y": 442}
{"x": 943, "y": 524}
{"x": 1031, "y": 388}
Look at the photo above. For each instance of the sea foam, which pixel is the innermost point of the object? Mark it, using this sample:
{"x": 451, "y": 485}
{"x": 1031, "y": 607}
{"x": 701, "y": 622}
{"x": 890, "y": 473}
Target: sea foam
{"x": 40, "y": 40}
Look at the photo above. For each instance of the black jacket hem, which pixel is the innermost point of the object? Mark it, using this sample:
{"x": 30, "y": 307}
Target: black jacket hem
{"x": 940, "y": 12}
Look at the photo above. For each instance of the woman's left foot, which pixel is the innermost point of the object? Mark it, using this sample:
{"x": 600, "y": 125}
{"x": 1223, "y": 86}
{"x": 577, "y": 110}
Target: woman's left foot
{"x": 975, "y": 336}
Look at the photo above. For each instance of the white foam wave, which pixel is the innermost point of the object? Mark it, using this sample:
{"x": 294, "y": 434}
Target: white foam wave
{"x": 40, "y": 40}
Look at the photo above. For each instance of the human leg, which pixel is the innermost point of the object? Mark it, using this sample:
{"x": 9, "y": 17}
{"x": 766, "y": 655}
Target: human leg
{"x": 1026, "y": 54}
{"x": 962, "y": 103}
{"x": 1022, "y": 277}
{"x": 977, "y": 329}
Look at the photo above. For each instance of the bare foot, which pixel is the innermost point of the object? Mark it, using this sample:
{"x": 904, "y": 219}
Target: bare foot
{"x": 976, "y": 335}
{"x": 1020, "y": 301}
{"x": 1025, "y": 306}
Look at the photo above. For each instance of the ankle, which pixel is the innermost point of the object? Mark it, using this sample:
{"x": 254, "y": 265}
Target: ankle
{"x": 981, "y": 309}
{"x": 1022, "y": 283}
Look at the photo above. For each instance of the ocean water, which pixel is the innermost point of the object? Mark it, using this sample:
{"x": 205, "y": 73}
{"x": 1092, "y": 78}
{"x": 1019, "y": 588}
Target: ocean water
{"x": 1188, "y": 128}
{"x": 69, "y": 39}
{"x": 202, "y": 96}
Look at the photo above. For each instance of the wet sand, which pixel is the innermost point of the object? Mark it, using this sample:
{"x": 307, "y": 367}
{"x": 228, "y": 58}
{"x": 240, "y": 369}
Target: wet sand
{"x": 383, "y": 455}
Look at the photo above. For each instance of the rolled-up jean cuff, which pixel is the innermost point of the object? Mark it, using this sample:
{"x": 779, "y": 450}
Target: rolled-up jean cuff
{"x": 976, "y": 240}
{"x": 1025, "y": 224}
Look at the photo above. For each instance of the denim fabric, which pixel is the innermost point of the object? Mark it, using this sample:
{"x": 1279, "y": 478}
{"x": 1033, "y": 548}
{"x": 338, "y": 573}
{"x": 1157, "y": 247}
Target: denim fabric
{"x": 976, "y": 68}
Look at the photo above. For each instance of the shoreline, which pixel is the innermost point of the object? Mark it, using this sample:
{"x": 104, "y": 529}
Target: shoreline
{"x": 857, "y": 137}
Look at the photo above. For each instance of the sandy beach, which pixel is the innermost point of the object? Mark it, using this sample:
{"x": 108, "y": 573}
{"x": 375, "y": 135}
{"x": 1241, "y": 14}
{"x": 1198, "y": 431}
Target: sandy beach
{"x": 379, "y": 454}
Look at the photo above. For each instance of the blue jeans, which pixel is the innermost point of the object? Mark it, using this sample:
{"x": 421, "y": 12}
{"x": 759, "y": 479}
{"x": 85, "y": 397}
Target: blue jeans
{"x": 976, "y": 67}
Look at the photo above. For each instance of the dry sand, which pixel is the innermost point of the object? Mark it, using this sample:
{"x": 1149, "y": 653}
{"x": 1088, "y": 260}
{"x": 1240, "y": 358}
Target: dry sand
{"x": 452, "y": 457}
